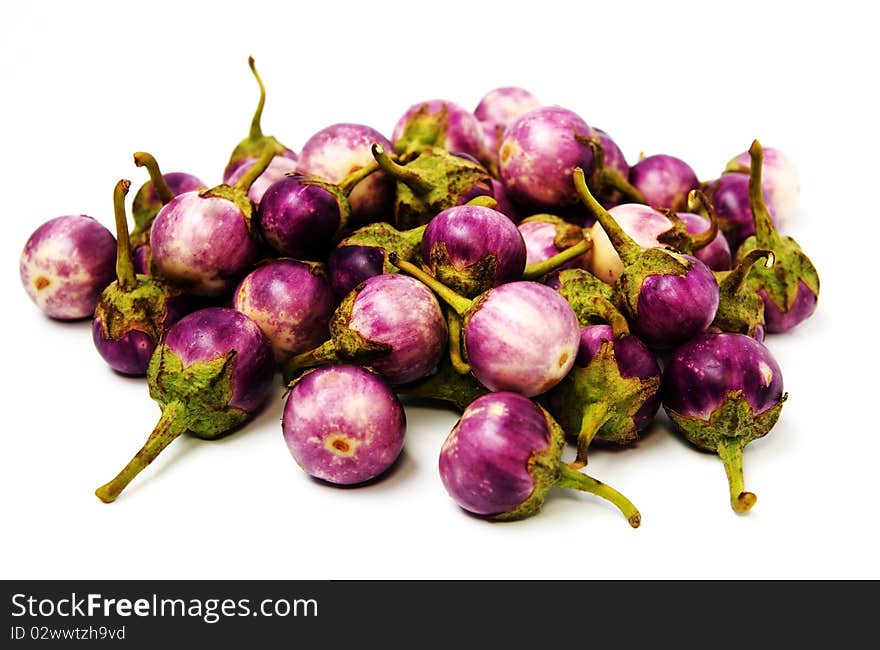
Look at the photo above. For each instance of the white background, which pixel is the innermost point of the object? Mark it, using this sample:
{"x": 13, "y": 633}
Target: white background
{"x": 85, "y": 84}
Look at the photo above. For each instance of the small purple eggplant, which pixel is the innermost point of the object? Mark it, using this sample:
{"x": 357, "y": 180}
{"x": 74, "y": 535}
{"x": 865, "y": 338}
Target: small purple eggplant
{"x": 341, "y": 154}
{"x": 790, "y": 289}
{"x": 364, "y": 254}
{"x": 503, "y": 105}
{"x": 546, "y": 235}
{"x": 343, "y": 424}
{"x": 249, "y": 150}
{"x": 291, "y": 301}
{"x": 205, "y": 241}
{"x": 299, "y": 216}
{"x": 664, "y": 181}
{"x": 471, "y": 248}
{"x": 391, "y": 323}
{"x": 65, "y": 265}
{"x": 211, "y": 373}
{"x": 740, "y": 309}
{"x": 780, "y": 182}
{"x": 667, "y": 297}
{"x": 150, "y": 198}
{"x": 730, "y": 200}
{"x": 504, "y": 455}
{"x": 133, "y": 312}
{"x": 538, "y": 154}
{"x": 438, "y": 124}
{"x": 722, "y": 391}
{"x": 520, "y": 336}
{"x": 612, "y": 392}
{"x": 432, "y": 182}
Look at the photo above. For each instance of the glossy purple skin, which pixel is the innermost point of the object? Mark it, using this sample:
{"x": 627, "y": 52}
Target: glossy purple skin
{"x": 212, "y": 333}
{"x": 803, "y": 307}
{"x": 614, "y": 157}
{"x": 522, "y": 337}
{"x": 716, "y": 255}
{"x": 704, "y": 371}
{"x": 471, "y": 233}
{"x": 131, "y": 354}
{"x": 484, "y": 463}
{"x": 65, "y": 265}
{"x": 503, "y": 105}
{"x": 730, "y": 200}
{"x": 539, "y": 240}
{"x": 202, "y": 244}
{"x": 278, "y": 168}
{"x": 538, "y": 155}
{"x": 463, "y": 131}
{"x": 343, "y": 424}
{"x": 178, "y": 183}
{"x": 634, "y": 359}
{"x": 673, "y": 308}
{"x": 348, "y": 266}
{"x": 664, "y": 180}
{"x": 297, "y": 219}
{"x": 779, "y": 181}
{"x": 341, "y": 149}
{"x": 403, "y": 313}
{"x": 291, "y": 302}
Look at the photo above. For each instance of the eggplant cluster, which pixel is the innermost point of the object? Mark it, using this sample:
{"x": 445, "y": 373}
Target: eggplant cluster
{"x": 507, "y": 262}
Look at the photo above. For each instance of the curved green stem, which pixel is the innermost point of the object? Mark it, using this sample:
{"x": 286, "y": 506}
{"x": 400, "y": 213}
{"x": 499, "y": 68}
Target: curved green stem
{"x": 143, "y": 159}
{"x": 539, "y": 270}
{"x": 605, "y": 309}
{"x": 698, "y": 203}
{"x": 453, "y": 322}
{"x": 594, "y": 416}
{"x": 735, "y": 280}
{"x": 574, "y": 480}
{"x": 483, "y": 201}
{"x": 455, "y": 300}
{"x": 406, "y": 176}
{"x": 252, "y": 174}
{"x": 765, "y": 231}
{"x": 348, "y": 183}
{"x": 256, "y": 131}
{"x": 325, "y": 353}
{"x": 730, "y": 450}
{"x": 174, "y": 421}
{"x": 612, "y": 178}
{"x": 125, "y": 276}
{"x": 625, "y": 245}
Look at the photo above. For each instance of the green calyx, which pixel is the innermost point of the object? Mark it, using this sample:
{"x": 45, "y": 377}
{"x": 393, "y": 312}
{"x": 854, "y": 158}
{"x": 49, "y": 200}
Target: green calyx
{"x": 740, "y": 308}
{"x": 652, "y": 261}
{"x": 547, "y": 470}
{"x": 345, "y": 345}
{"x": 432, "y": 182}
{"x": 678, "y": 236}
{"x": 143, "y": 307}
{"x": 445, "y": 385}
{"x": 792, "y": 266}
{"x": 580, "y": 287}
{"x": 468, "y": 280}
{"x": 405, "y": 244}
{"x": 254, "y": 144}
{"x": 204, "y": 387}
{"x": 423, "y": 130}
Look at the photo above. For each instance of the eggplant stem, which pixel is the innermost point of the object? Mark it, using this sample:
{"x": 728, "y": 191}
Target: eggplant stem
{"x": 625, "y": 245}
{"x": 252, "y": 174}
{"x": 595, "y": 415}
{"x": 455, "y": 300}
{"x": 347, "y": 184}
{"x": 321, "y": 355}
{"x": 540, "y": 269}
{"x": 453, "y": 321}
{"x": 406, "y": 176}
{"x": 765, "y": 231}
{"x": 256, "y": 131}
{"x": 143, "y": 159}
{"x": 574, "y": 480}
{"x": 125, "y": 276}
{"x": 730, "y": 450}
{"x": 483, "y": 201}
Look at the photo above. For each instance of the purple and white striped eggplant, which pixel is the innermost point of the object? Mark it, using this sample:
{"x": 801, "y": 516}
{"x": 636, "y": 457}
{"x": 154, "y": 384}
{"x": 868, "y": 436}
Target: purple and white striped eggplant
{"x": 133, "y": 312}
{"x": 248, "y": 151}
{"x": 343, "y": 424}
{"x": 432, "y": 182}
{"x": 211, "y": 373}
{"x": 546, "y": 235}
{"x": 391, "y": 323}
{"x": 729, "y": 195}
{"x": 471, "y": 248}
{"x": 65, "y": 265}
{"x": 665, "y": 181}
{"x": 519, "y": 336}
{"x": 780, "y": 182}
{"x": 504, "y": 455}
{"x": 612, "y": 392}
{"x": 538, "y": 154}
{"x": 667, "y": 297}
{"x": 503, "y": 105}
{"x": 438, "y": 124}
{"x": 790, "y": 289}
{"x": 299, "y": 216}
{"x": 341, "y": 154}
{"x": 291, "y": 301}
{"x": 722, "y": 391}
{"x": 205, "y": 241}
{"x": 150, "y": 198}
